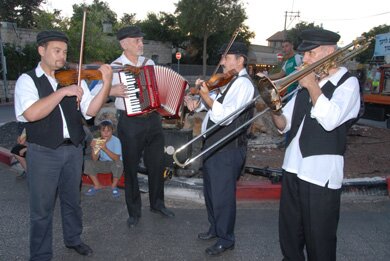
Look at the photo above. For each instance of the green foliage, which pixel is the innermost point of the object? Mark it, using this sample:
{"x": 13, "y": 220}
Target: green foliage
{"x": 367, "y": 55}
{"x": 210, "y": 19}
{"x": 97, "y": 46}
{"x": 20, "y": 12}
{"x": 162, "y": 27}
{"x": 20, "y": 60}
{"x": 294, "y": 33}
{"x": 44, "y": 20}
{"x": 126, "y": 20}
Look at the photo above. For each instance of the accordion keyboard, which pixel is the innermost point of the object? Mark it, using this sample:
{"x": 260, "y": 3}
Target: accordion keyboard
{"x": 137, "y": 99}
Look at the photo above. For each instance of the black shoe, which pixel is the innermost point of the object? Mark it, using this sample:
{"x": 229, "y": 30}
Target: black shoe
{"x": 132, "y": 221}
{"x": 164, "y": 212}
{"x": 217, "y": 249}
{"x": 82, "y": 249}
{"x": 206, "y": 236}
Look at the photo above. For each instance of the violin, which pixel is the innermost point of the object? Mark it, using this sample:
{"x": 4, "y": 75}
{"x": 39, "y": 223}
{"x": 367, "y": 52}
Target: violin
{"x": 69, "y": 74}
{"x": 216, "y": 80}
{"x": 219, "y": 79}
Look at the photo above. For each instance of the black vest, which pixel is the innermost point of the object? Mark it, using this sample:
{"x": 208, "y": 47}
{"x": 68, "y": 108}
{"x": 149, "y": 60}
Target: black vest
{"x": 237, "y": 140}
{"x": 48, "y": 132}
{"x": 314, "y": 139}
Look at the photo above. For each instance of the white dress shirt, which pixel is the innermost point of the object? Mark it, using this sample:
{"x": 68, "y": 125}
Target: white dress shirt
{"x": 240, "y": 93}
{"x": 119, "y": 102}
{"x": 26, "y": 94}
{"x": 343, "y": 106}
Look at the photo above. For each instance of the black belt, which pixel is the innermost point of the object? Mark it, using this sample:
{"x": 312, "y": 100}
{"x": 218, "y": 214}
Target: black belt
{"x": 66, "y": 142}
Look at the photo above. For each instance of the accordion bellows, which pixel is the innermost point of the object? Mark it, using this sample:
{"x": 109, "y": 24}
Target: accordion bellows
{"x": 154, "y": 88}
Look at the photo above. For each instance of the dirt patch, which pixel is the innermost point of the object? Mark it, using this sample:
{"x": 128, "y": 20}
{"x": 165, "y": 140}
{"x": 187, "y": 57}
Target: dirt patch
{"x": 367, "y": 155}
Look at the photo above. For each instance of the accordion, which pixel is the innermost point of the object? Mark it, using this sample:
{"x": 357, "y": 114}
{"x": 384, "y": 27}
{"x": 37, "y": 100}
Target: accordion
{"x": 153, "y": 88}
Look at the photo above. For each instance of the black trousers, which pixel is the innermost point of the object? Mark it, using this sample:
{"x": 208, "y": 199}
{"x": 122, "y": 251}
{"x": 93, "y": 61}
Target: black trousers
{"x": 53, "y": 173}
{"x": 308, "y": 216}
{"x": 142, "y": 134}
{"x": 220, "y": 174}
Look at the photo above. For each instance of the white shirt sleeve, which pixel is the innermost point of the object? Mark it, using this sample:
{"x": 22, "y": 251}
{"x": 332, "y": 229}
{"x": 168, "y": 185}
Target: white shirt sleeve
{"x": 343, "y": 106}
{"x": 240, "y": 93}
{"x": 26, "y": 94}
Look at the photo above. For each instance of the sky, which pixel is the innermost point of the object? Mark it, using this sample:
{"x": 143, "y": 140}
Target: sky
{"x": 348, "y": 18}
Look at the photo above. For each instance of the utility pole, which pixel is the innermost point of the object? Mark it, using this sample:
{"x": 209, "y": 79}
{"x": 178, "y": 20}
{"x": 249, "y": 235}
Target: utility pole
{"x": 290, "y": 14}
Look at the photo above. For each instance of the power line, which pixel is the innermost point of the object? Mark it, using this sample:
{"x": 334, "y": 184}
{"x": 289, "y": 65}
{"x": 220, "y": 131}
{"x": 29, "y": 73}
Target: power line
{"x": 346, "y": 19}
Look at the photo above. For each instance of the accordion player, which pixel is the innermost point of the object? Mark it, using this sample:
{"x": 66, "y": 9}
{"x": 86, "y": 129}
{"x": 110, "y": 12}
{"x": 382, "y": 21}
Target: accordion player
{"x": 153, "y": 88}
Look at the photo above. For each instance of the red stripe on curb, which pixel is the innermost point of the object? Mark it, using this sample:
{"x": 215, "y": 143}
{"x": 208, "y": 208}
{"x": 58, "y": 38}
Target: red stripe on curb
{"x": 105, "y": 179}
{"x": 254, "y": 190}
{"x": 5, "y": 156}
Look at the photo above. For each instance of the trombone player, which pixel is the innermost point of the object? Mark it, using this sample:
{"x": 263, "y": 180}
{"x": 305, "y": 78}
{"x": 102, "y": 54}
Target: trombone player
{"x": 222, "y": 167}
{"x": 318, "y": 118}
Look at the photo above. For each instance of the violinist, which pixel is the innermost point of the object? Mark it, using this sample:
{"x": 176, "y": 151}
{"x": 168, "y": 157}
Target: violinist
{"x": 54, "y": 135}
{"x": 223, "y": 166}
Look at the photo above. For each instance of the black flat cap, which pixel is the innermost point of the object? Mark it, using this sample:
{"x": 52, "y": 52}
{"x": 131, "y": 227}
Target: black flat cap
{"x": 51, "y": 35}
{"x": 129, "y": 32}
{"x": 236, "y": 48}
{"x": 312, "y": 38}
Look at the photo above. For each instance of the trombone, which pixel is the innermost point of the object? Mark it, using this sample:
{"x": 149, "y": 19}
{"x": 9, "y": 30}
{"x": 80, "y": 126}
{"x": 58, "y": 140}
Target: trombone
{"x": 270, "y": 92}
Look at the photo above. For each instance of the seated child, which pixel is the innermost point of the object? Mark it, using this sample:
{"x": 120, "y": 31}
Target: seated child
{"x": 106, "y": 157}
{"x": 19, "y": 151}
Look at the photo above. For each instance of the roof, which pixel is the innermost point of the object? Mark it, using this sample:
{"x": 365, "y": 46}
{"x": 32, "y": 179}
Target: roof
{"x": 277, "y": 37}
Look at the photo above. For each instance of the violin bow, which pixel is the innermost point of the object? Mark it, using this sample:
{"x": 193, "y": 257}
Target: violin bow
{"x": 81, "y": 54}
{"x": 234, "y": 36}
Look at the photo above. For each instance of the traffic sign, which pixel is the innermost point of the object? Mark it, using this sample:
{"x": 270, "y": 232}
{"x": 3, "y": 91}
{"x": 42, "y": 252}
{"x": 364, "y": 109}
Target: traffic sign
{"x": 178, "y": 55}
{"x": 280, "y": 57}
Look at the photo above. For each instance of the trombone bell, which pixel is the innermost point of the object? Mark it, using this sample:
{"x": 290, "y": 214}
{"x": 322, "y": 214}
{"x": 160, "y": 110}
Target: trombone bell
{"x": 268, "y": 92}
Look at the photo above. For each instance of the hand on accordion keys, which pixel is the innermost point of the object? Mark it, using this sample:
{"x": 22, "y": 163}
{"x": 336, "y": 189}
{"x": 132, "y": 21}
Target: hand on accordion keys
{"x": 118, "y": 90}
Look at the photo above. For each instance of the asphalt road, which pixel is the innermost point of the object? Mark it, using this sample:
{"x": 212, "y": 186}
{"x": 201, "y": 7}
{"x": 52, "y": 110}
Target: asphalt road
{"x": 363, "y": 229}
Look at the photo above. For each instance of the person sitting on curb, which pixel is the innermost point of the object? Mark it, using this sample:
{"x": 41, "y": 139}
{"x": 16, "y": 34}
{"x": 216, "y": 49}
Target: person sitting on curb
{"x": 106, "y": 157}
{"x": 19, "y": 152}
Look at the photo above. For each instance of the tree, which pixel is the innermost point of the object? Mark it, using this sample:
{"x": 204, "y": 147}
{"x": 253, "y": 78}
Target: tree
{"x": 294, "y": 33}
{"x": 205, "y": 18}
{"x": 44, "y": 20}
{"x": 20, "y": 12}
{"x": 97, "y": 45}
{"x": 367, "y": 55}
{"x": 126, "y": 20}
{"x": 162, "y": 27}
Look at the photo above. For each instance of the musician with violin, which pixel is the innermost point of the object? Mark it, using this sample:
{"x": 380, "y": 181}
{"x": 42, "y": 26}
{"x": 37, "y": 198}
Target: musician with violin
{"x": 53, "y": 117}
{"x": 223, "y": 165}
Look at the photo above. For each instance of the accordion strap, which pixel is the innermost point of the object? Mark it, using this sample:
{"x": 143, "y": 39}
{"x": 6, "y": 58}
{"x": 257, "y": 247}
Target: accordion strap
{"x": 143, "y": 64}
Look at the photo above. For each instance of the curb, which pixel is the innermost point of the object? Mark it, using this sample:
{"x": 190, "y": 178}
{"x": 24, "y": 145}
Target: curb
{"x": 192, "y": 188}
{"x": 5, "y": 156}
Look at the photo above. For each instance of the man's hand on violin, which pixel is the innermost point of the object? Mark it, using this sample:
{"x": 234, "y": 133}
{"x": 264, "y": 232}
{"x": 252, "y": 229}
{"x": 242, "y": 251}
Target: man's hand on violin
{"x": 73, "y": 90}
{"x": 106, "y": 71}
{"x": 118, "y": 90}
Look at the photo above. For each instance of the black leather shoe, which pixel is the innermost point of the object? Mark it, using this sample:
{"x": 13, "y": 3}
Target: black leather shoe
{"x": 206, "y": 236}
{"x": 164, "y": 212}
{"x": 217, "y": 249}
{"x": 132, "y": 221}
{"x": 82, "y": 249}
